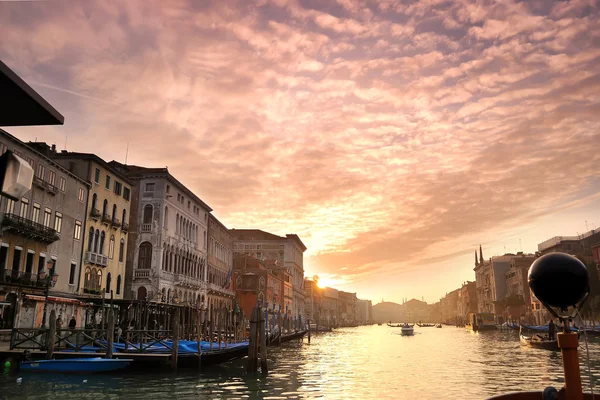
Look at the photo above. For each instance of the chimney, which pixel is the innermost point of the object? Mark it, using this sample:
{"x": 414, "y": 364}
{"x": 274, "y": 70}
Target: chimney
{"x": 54, "y": 148}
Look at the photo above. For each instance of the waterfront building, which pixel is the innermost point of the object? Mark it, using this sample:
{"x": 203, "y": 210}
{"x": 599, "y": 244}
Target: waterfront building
{"x": 329, "y": 310}
{"x": 596, "y": 254}
{"x": 42, "y": 231}
{"x": 347, "y": 308}
{"x": 578, "y": 246}
{"x": 364, "y": 311}
{"x": 517, "y": 286}
{"x": 312, "y": 300}
{"x": 106, "y": 223}
{"x": 483, "y": 283}
{"x": 467, "y": 302}
{"x": 449, "y": 307}
{"x": 287, "y": 250}
{"x": 220, "y": 265}
{"x": 166, "y": 257}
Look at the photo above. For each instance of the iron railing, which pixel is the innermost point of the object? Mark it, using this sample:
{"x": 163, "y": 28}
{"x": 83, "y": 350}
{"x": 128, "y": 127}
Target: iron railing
{"x": 29, "y": 229}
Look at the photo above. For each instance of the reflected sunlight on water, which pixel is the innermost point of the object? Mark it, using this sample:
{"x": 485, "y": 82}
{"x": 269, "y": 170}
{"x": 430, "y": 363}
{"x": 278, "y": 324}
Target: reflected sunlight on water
{"x": 351, "y": 363}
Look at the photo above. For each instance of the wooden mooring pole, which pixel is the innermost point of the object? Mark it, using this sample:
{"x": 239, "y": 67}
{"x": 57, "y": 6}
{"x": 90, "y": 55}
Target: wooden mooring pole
{"x": 110, "y": 334}
{"x": 252, "y": 364}
{"x": 175, "y": 350}
{"x": 309, "y": 331}
{"x": 198, "y": 333}
{"x": 263, "y": 341}
{"x": 51, "y": 335}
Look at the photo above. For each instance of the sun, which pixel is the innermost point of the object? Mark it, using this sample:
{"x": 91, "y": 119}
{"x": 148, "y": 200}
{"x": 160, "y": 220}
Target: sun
{"x": 323, "y": 283}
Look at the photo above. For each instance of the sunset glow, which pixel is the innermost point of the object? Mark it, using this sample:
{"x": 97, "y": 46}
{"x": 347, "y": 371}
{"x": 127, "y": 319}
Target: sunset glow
{"x": 393, "y": 138}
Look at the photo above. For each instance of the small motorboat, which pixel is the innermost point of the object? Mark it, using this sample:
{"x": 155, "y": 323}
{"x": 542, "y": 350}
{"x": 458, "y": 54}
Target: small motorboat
{"x": 77, "y": 365}
{"x": 407, "y": 330}
{"x": 539, "y": 342}
{"x": 438, "y": 325}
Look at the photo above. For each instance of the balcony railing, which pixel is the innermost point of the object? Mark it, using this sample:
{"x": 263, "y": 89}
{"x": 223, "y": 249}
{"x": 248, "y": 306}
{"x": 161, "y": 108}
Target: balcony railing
{"x": 39, "y": 182}
{"x": 95, "y": 258}
{"x": 106, "y": 218}
{"x": 141, "y": 273}
{"x": 146, "y": 227}
{"x": 95, "y": 213}
{"x": 187, "y": 281}
{"x": 20, "y": 278}
{"x": 91, "y": 290}
{"x": 115, "y": 223}
{"x": 28, "y": 229}
{"x": 125, "y": 227}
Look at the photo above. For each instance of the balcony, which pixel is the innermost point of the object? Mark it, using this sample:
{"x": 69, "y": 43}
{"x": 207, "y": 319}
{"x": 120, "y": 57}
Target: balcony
{"x": 95, "y": 214}
{"x": 187, "y": 281}
{"x": 42, "y": 184}
{"x": 95, "y": 258}
{"x": 107, "y": 219}
{"x": 115, "y": 223}
{"x": 146, "y": 227}
{"x": 28, "y": 229}
{"x": 90, "y": 290}
{"x": 125, "y": 227}
{"x": 141, "y": 274}
{"x": 213, "y": 287}
{"x": 20, "y": 278}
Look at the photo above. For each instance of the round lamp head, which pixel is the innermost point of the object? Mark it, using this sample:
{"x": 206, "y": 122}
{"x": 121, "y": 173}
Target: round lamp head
{"x": 559, "y": 280}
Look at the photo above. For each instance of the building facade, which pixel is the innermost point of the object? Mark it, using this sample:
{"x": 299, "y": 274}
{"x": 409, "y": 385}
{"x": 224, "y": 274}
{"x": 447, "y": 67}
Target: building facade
{"x": 107, "y": 223}
{"x": 467, "y": 301}
{"x": 220, "y": 264}
{"x": 347, "y": 308}
{"x": 288, "y": 251}
{"x": 364, "y": 311}
{"x": 167, "y": 253}
{"x": 43, "y": 231}
{"x": 330, "y": 316}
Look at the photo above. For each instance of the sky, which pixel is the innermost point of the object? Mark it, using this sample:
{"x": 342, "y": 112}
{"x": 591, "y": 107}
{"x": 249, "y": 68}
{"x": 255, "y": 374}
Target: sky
{"x": 394, "y": 137}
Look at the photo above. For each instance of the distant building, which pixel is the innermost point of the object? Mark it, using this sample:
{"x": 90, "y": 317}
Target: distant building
{"x": 579, "y": 246}
{"x": 312, "y": 300}
{"x": 330, "y": 315}
{"x": 43, "y": 231}
{"x": 517, "y": 285}
{"x": 347, "y": 308}
{"x": 364, "y": 311}
{"x": 220, "y": 264}
{"x": 287, "y": 250}
{"x": 467, "y": 301}
{"x": 449, "y": 307}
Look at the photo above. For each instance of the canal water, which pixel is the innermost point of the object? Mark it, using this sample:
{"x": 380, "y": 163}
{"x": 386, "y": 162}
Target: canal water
{"x": 370, "y": 362}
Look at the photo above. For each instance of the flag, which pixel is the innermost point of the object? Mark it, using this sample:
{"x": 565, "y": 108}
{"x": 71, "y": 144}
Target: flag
{"x": 228, "y": 280}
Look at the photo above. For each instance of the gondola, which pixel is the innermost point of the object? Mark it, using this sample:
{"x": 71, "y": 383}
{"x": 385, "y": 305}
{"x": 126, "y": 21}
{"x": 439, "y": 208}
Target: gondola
{"x": 539, "y": 342}
{"x": 425, "y": 325}
{"x": 76, "y": 365}
{"x": 219, "y": 356}
{"x": 291, "y": 336}
{"x": 395, "y": 326}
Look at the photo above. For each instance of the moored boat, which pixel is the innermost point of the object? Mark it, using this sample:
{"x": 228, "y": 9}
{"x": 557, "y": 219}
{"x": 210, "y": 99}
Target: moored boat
{"x": 76, "y": 365}
{"x": 539, "y": 342}
{"x": 425, "y": 325}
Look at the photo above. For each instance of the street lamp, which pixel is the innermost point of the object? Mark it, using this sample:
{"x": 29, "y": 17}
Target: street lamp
{"x": 49, "y": 281}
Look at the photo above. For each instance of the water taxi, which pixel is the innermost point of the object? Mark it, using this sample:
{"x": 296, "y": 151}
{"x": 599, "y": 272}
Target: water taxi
{"x": 481, "y": 322}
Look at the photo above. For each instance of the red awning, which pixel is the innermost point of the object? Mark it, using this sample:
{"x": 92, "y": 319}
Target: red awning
{"x": 52, "y": 298}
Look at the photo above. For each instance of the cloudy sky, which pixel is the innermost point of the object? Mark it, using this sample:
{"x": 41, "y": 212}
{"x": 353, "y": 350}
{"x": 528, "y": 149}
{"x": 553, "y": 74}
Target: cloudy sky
{"x": 393, "y": 136}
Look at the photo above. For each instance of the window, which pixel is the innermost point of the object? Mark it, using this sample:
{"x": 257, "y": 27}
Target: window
{"x": 119, "y": 284}
{"x": 3, "y": 148}
{"x": 121, "y": 251}
{"x": 145, "y": 256}
{"x": 149, "y": 187}
{"x": 111, "y": 247}
{"x": 102, "y": 238}
{"x": 10, "y": 206}
{"x": 108, "y": 279}
{"x": 166, "y": 218}
{"x": 168, "y": 189}
{"x": 30, "y": 161}
{"x": 91, "y": 240}
{"x": 41, "y": 263}
{"x": 62, "y": 184}
{"x": 77, "y": 234}
{"x": 189, "y": 204}
{"x": 105, "y": 208}
{"x": 118, "y": 188}
{"x": 126, "y": 193}
{"x": 72, "y": 274}
{"x": 57, "y": 221}
{"x": 80, "y": 195}
{"x": 47, "y": 217}
{"x": 24, "y": 208}
{"x": 178, "y": 196}
{"x": 16, "y": 265}
{"x": 51, "y": 177}
{"x": 29, "y": 262}
{"x": 107, "y": 182}
{"x": 147, "y": 214}
{"x": 36, "y": 212}
{"x": 96, "y": 241}
{"x": 97, "y": 176}
{"x": 124, "y": 215}
{"x": 40, "y": 171}
{"x": 114, "y": 212}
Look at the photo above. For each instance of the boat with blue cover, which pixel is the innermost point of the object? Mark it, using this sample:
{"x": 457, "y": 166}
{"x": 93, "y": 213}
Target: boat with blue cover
{"x": 76, "y": 365}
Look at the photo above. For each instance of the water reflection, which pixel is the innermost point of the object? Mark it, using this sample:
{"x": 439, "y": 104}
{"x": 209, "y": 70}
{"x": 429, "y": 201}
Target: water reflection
{"x": 354, "y": 363}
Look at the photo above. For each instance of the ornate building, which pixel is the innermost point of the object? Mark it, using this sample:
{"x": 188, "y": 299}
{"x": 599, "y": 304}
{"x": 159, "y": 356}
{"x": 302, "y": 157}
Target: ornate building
{"x": 167, "y": 254}
{"x": 220, "y": 265}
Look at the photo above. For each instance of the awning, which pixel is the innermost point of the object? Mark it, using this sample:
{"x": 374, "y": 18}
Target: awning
{"x": 53, "y": 299}
{"x": 20, "y": 105}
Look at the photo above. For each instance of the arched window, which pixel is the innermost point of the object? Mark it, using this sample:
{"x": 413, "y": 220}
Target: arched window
{"x": 102, "y": 238}
{"x": 114, "y": 213}
{"x": 111, "y": 247}
{"x": 147, "y": 218}
{"x": 163, "y": 294}
{"x": 121, "y": 250}
{"x": 96, "y": 241}
{"x": 145, "y": 256}
{"x": 98, "y": 280}
{"x": 261, "y": 283}
{"x": 91, "y": 240}
{"x": 177, "y": 224}
{"x": 94, "y": 202}
{"x": 261, "y": 298}
{"x": 108, "y": 279}
{"x": 142, "y": 293}
{"x": 166, "y": 218}
{"x": 204, "y": 240}
{"x": 105, "y": 208}
{"x": 168, "y": 295}
{"x": 88, "y": 278}
{"x": 119, "y": 284}
{"x": 238, "y": 282}
{"x": 124, "y": 216}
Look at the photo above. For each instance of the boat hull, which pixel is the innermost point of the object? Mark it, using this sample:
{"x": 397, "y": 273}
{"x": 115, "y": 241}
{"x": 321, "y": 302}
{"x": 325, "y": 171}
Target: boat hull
{"x": 407, "y": 331}
{"x": 76, "y": 365}
{"x": 539, "y": 344}
{"x": 224, "y": 355}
